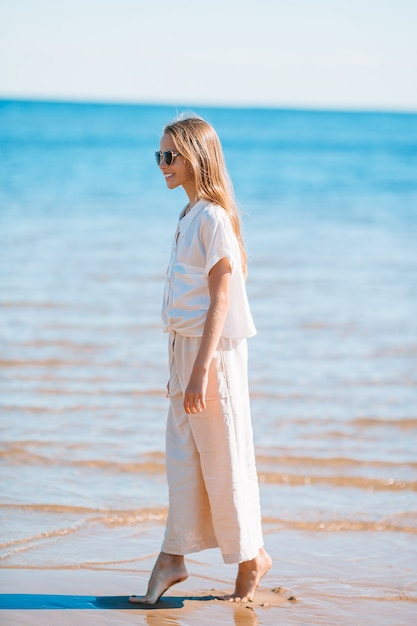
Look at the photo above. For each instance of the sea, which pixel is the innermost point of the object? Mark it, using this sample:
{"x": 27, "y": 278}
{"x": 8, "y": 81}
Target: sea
{"x": 329, "y": 214}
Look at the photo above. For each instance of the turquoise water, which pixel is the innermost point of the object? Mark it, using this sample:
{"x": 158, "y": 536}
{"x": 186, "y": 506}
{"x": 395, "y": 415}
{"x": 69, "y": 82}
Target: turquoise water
{"x": 329, "y": 202}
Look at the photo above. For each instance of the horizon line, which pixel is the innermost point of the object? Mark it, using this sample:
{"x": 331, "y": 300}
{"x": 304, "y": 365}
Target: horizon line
{"x": 324, "y": 108}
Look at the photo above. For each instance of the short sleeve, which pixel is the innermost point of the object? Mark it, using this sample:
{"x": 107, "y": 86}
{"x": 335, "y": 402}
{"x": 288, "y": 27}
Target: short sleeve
{"x": 218, "y": 238}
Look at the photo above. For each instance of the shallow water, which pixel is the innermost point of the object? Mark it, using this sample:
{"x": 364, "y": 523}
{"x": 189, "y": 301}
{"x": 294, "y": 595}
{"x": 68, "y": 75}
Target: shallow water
{"x": 330, "y": 218}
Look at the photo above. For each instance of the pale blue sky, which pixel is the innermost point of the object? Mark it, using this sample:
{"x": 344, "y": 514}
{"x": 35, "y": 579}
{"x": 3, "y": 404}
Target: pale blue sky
{"x": 303, "y": 53}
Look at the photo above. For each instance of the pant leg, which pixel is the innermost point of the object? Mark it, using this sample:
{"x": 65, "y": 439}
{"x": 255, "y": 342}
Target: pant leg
{"x": 189, "y": 527}
{"x": 222, "y": 464}
{"x": 223, "y": 435}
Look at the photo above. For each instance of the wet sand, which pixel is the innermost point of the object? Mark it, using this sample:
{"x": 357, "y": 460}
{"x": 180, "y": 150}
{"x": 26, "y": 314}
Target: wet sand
{"x": 324, "y": 578}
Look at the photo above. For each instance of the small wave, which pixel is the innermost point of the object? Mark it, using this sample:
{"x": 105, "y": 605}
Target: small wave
{"x": 19, "y": 545}
{"x": 406, "y": 423}
{"x": 67, "y": 362}
{"x": 357, "y": 482}
{"x": 51, "y": 410}
{"x": 404, "y": 597}
{"x": 145, "y": 467}
{"x": 18, "y": 454}
{"x": 406, "y": 522}
{"x": 100, "y": 392}
{"x": 8, "y": 363}
{"x": 364, "y": 421}
{"x": 335, "y": 462}
{"x": 62, "y": 343}
{"x": 153, "y": 462}
{"x": 51, "y": 508}
{"x": 271, "y": 524}
{"x": 109, "y": 514}
{"x": 85, "y": 517}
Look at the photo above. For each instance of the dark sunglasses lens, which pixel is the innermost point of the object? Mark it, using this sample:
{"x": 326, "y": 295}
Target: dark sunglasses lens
{"x": 158, "y": 157}
{"x": 168, "y": 156}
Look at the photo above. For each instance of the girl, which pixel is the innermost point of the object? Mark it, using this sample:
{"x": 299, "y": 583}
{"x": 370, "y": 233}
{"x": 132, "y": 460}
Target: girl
{"x": 212, "y": 479}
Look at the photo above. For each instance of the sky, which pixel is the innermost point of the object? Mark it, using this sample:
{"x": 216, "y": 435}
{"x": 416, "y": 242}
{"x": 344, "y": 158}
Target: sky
{"x": 337, "y": 54}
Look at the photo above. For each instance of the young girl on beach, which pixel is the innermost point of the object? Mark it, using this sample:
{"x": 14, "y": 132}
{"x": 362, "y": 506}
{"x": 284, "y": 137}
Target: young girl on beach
{"x": 212, "y": 479}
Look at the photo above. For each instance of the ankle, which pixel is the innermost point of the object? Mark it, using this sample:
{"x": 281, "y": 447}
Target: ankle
{"x": 261, "y": 560}
{"x": 170, "y": 560}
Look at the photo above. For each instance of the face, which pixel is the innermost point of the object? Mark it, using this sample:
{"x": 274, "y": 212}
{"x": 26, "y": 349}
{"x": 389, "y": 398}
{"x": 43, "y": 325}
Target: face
{"x": 179, "y": 173}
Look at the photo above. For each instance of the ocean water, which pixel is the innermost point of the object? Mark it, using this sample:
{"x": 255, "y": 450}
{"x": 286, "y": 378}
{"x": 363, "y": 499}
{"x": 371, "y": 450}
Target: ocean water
{"x": 329, "y": 210}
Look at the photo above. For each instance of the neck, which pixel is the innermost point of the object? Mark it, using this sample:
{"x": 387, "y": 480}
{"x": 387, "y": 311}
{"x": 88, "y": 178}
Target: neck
{"x": 191, "y": 203}
{"x": 191, "y": 191}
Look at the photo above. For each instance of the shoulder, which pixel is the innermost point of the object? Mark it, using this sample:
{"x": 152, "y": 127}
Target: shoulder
{"x": 215, "y": 228}
{"x": 213, "y": 214}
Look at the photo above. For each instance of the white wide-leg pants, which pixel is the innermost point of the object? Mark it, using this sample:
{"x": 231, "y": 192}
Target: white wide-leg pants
{"x": 212, "y": 478}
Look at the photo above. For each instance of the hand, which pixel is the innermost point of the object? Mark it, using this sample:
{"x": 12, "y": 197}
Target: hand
{"x": 195, "y": 393}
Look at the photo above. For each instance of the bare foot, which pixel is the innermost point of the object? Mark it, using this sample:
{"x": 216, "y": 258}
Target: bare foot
{"x": 249, "y": 576}
{"x": 169, "y": 569}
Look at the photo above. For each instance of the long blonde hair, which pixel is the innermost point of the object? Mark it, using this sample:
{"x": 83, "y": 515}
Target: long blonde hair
{"x": 197, "y": 141}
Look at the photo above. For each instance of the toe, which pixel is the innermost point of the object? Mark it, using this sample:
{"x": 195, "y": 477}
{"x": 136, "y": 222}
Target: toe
{"x": 136, "y": 599}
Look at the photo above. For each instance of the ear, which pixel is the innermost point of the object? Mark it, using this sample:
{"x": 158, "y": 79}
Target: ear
{"x": 189, "y": 169}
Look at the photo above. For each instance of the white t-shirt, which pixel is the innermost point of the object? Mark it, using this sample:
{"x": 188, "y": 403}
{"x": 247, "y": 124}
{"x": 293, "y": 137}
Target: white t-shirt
{"x": 203, "y": 237}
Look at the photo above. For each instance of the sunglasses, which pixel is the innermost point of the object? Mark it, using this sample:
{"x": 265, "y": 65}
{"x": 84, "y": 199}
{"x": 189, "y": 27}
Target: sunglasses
{"x": 167, "y": 155}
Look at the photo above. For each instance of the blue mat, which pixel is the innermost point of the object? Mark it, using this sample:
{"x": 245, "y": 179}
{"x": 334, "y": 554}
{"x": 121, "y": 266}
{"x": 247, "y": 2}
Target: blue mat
{"x": 49, "y": 601}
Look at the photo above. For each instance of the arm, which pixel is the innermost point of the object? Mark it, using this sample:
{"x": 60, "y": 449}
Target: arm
{"x": 219, "y": 287}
